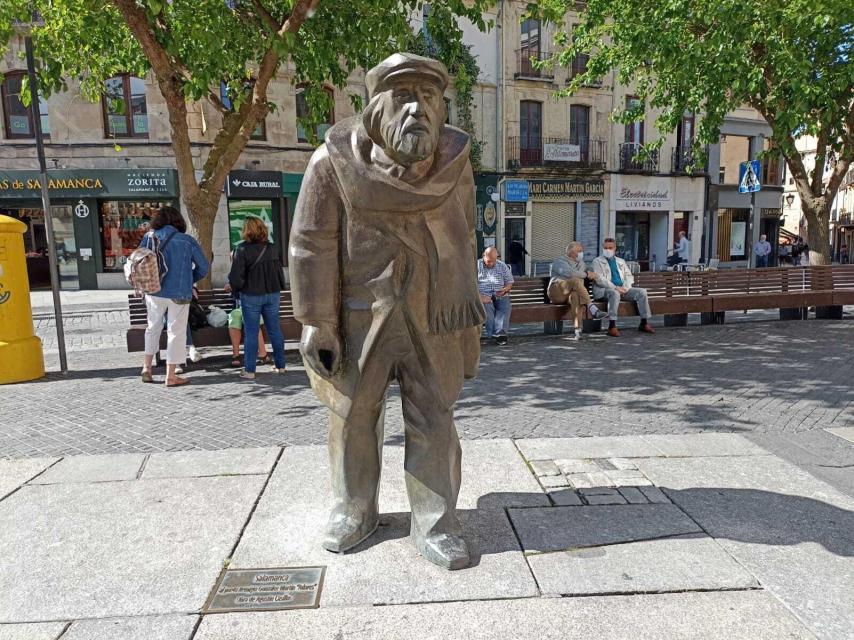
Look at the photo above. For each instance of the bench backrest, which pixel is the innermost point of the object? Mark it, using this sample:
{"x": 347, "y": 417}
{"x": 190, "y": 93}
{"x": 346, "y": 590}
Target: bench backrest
{"x": 676, "y": 284}
{"x": 207, "y": 297}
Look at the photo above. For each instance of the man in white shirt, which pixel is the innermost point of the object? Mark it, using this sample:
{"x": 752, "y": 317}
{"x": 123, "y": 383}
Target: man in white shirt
{"x": 683, "y": 247}
{"x": 762, "y": 249}
{"x": 614, "y": 283}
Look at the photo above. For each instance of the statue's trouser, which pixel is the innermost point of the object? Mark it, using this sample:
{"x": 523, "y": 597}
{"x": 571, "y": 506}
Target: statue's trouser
{"x": 432, "y": 458}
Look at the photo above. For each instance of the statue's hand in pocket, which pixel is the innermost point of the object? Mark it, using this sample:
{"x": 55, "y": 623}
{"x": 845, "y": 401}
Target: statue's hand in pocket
{"x": 320, "y": 346}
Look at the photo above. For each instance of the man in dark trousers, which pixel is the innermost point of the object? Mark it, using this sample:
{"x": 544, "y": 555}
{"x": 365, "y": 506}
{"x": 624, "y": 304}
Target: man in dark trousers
{"x": 516, "y": 259}
{"x": 383, "y": 278}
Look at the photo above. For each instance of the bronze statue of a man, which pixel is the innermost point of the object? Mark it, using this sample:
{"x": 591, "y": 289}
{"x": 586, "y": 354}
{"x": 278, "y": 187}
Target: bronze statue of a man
{"x": 383, "y": 279}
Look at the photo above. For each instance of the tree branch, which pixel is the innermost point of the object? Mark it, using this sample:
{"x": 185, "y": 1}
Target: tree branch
{"x": 239, "y": 126}
{"x": 817, "y": 180}
{"x": 266, "y": 16}
{"x": 170, "y": 75}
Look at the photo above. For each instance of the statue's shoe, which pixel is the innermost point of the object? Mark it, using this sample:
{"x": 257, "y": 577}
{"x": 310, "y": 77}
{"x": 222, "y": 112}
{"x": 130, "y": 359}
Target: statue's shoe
{"x": 346, "y": 529}
{"x": 446, "y": 550}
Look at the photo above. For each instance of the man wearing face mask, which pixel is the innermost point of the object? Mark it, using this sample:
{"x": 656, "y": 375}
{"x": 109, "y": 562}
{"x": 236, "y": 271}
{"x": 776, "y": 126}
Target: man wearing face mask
{"x": 614, "y": 283}
{"x": 383, "y": 279}
{"x": 567, "y": 285}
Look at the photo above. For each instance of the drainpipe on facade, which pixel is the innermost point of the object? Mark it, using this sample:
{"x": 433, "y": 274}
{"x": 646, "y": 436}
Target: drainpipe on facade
{"x": 499, "y": 119}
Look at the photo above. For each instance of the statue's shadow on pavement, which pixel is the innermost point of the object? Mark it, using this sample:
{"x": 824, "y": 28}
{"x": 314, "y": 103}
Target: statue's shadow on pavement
{"x": 742, "y": 515}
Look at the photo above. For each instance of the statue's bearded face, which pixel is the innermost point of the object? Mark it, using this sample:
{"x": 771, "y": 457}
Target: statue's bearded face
{"x": 406, "y": 120}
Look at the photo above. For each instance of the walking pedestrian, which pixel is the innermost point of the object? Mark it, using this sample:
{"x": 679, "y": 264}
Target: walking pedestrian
{"x": 517, "y": 255}
{"x": 182, "y": 262}
{"x": 256, "y": 276}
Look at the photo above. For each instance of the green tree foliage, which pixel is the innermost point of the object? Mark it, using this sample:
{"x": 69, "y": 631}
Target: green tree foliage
{"x": 791, "y": 60}
{"x": 191, "y": 47}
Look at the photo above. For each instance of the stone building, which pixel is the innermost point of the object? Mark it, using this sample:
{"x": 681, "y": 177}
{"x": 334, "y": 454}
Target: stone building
{"x": 569, "y": 173}
{"x": 108, "y": 170}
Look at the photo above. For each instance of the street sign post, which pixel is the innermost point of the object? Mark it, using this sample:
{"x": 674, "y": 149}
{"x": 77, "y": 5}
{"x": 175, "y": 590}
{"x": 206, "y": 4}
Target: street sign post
{"x": 748, "y": 177}
{"x": 749, "y": 182}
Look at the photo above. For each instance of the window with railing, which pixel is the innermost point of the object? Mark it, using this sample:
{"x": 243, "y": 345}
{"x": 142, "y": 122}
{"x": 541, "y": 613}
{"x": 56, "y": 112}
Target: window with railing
{"x": 530, "y": 132}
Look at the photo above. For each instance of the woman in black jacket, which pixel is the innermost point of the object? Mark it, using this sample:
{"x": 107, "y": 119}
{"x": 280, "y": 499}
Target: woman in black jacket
{"x": 256, "y": 276}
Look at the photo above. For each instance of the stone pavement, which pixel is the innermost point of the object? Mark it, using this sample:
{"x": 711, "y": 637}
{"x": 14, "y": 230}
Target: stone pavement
{"x": 758, "y": 378}
{"x": 704, "y": 536}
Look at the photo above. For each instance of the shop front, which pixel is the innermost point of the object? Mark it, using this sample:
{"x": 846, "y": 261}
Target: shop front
{"x": 736, "y": 230}
{"x": 258, "y": 194}
{"x": 559, "y": 211}
{"x": 99, "y": 217}
{"x": 648, "y": 213}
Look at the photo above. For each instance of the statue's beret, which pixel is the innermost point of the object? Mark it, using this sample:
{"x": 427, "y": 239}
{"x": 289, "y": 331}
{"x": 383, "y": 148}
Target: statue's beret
{"x": 399, "y": 65}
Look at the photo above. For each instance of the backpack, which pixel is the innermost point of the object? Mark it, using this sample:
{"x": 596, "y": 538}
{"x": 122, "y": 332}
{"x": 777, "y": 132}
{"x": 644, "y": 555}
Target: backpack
{"x": 146, "y": 268}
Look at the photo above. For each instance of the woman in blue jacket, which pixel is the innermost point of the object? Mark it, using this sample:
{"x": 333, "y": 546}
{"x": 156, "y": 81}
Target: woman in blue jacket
{"x": 183, "y": 264}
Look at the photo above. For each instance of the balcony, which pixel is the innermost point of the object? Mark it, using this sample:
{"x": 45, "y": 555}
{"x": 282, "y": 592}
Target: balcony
{"x": 526, "y": 68}
{"x": 630, "y": 164}
{"x": 684, "y": 160}
{"x": 557, "y": 153}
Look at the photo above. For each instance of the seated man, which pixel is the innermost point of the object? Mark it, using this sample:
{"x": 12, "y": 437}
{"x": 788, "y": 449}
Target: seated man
{"x": 494, "y": 282}
{"x": 614, "y": 283}
{"x": 567, "y": 285}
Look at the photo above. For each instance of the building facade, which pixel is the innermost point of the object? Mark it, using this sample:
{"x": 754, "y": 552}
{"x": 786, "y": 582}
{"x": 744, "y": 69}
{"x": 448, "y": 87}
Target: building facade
{"x": 110, "y": 168}
{"x": 585, "y": 178}
{"x": 735, "y": 220}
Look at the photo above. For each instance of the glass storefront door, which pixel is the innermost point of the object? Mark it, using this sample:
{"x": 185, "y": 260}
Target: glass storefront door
{"x": 66, "y": 246}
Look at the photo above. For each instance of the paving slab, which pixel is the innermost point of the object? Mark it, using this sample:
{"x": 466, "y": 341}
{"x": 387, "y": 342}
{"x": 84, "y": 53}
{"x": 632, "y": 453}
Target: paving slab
{"x": 594, "y": 447}
{"x": 794, "y": 532}
{"x": 705, "y": 444}
{"x": 751, "y": 615}
{"x": 107, "y": 468}
{"x": 14, "y": 473}
{"x": 143, "y": 628}
{"x": 846, "y": 433}
{"x": 688, "y": 563}
{"x": 186, "y": 464}
{"x": 287, "y": 530}
{"x": 118, "y": 548}
{"x": 38, "y": 631}
{"x": 559, "y": 528}
{"x": 494, "y": 475}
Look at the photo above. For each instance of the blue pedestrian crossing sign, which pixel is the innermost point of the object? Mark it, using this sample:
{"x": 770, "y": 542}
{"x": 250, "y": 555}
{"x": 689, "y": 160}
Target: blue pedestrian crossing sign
{"x": 748, "y": 177}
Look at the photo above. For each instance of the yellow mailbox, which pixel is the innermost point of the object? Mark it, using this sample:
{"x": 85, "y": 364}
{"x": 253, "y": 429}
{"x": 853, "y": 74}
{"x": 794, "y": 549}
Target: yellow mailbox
{"x": 20, "y": 350}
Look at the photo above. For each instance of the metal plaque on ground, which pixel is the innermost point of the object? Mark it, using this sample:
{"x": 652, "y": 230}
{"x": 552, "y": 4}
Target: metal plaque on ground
{"x": 267, "y": 589}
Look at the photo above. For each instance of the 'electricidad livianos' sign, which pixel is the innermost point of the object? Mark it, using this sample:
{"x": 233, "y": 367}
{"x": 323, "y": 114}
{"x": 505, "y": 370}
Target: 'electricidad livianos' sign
{"x": 81, "y": 183}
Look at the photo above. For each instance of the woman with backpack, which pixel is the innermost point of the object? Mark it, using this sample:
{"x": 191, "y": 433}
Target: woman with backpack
{"x": 256, "y": 276}
{"x": 181, "y": 262}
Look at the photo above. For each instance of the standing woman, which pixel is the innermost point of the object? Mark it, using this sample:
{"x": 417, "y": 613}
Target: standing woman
{"x": 183, "y": 264}
{"x": 256, "y": 276}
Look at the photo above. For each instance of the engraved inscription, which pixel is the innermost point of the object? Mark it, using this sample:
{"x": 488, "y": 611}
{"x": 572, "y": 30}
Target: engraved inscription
{"x": 267, "y": 589}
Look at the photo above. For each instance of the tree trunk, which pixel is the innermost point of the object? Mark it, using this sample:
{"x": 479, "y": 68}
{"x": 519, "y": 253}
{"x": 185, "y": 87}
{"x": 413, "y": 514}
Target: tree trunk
{"x": 818, "y": 230}
{"x": 202, "y": 214}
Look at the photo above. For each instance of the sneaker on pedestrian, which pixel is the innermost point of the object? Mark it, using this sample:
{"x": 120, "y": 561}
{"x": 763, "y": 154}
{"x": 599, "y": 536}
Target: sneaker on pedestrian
{"x": 194, "y": 354}
{"x": 577, "y": 335}
{"x": 246, "y": 375}
{"x": 279, "y": 370}
{"x": 179, "y": 368}
{"x": 501, "y": 339}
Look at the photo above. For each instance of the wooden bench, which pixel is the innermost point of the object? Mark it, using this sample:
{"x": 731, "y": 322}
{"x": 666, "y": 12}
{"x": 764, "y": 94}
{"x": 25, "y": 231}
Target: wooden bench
{"x": 709, "y": 293}
{"x": 206, "y": 336}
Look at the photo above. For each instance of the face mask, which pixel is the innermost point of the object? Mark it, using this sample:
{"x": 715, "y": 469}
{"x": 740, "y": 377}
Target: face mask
{"x": 580, "y": 256}
{"x": 608, "y": 253}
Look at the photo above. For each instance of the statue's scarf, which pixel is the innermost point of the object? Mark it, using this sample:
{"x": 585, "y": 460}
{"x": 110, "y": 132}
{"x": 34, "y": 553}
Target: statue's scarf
{"x": 454, "y": 301}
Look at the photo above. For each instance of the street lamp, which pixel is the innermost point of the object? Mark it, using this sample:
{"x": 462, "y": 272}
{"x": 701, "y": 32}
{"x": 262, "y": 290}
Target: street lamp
{"x": 790, "y": 199}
